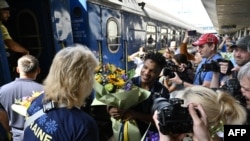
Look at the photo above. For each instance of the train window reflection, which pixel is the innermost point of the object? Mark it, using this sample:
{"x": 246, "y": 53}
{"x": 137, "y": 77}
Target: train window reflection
{"x": 164, "y": 37}
{"x": 151, "y": 38}
{"x": 28, "y": 33}
{"x": 113, "y": 37}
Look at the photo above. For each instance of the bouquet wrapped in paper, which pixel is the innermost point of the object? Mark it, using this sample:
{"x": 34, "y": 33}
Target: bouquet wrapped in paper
{"x": 21, "y": 105}
{"x": 124, "y": 97}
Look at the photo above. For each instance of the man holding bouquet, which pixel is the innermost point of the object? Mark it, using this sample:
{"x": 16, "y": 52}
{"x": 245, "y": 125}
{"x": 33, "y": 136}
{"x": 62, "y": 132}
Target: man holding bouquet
{"x": 141, "y": 113}
{"x": 28, "y": 69}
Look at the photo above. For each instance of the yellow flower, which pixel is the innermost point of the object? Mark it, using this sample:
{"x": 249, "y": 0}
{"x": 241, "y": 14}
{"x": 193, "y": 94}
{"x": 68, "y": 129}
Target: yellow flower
{"x": 26, "y": 101}
{"x": 111, "y": 76}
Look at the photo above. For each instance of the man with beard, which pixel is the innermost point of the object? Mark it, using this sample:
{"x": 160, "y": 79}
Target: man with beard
{"x": 242, "y": 58}
{"x": 141, "y": 113}
{"x": 242, "y": 52}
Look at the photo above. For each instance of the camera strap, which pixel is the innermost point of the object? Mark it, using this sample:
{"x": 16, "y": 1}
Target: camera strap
{"x": 46, "y": 107}
{"x": 235, "y": 73}
{"x": 145, "y": 134}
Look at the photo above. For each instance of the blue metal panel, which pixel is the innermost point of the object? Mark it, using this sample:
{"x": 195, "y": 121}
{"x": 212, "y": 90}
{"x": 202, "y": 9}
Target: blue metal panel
{"x": 135, "y": 33}
{"x": 79, "y": 18}
{"x": 4, "y": 67}
{"x": 61, "y": 23}
{"x": 95, "y": 35}
{"x": 116, "y": 57}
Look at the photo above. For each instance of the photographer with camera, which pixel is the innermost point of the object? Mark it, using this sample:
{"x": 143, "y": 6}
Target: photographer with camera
{"x": 197, "y": 110}
{"x": 199, "y": 126}
{"x": 182, "y": 67}
{"x": 242, "y": 56}
{"x": 207, "y": 47}
{"x": 224, "y": 78}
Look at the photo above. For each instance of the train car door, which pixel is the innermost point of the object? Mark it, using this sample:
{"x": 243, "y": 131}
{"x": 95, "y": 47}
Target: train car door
{"x": 79, "y": 21}
{"x": 105, "y": 34}
{"x": 112, "y": 41}
{"x": 41, "y": 26}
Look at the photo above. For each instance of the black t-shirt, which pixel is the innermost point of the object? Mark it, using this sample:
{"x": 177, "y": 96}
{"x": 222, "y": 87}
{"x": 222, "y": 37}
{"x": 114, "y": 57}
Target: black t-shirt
{"x": 157, "y": 90}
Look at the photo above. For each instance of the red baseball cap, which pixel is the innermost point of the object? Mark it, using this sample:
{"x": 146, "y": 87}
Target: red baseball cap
{"x": 206, "y": 38}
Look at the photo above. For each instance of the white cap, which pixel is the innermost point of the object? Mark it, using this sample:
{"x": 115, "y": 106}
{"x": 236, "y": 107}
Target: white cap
{"x": 3, "y": 4}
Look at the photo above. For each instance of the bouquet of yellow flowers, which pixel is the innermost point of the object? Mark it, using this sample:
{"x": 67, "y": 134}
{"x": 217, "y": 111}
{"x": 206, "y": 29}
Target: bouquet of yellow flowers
{"x": 114, "y": 88}
{"x": 111, "y": 77}
{"x": 21, "y": 105}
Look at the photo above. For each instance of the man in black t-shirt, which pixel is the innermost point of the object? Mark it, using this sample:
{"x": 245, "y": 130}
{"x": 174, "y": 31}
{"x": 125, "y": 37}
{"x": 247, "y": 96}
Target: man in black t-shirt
{"x": 141, "y": 113}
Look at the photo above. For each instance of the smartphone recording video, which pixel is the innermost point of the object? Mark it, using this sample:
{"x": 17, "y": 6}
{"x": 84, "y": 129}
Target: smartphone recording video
{"x": 191, "y": 32}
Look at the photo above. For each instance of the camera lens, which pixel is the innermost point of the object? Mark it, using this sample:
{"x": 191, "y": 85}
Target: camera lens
{"x": 159, "y": 103}
{"x": 172, "y": 117}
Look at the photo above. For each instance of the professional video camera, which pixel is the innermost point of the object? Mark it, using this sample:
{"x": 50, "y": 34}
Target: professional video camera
{"x": 214, "y": 66}
{"x": 173, "y": 119}
{"x": 170, "y": 69}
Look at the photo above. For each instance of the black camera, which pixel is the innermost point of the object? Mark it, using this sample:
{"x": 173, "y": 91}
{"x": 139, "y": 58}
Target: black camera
{"x": 215, "y": 66}
{"x": 170, "y": 69}
{"x": 212, "y": 66}
{"x": 232, "y": 86}
{"x": 172, "y": 117}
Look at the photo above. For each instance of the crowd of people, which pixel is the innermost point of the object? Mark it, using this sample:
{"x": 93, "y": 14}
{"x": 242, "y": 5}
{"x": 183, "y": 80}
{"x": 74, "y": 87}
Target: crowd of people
{"x": 211, "y": 78}
{"x": 211, "y": 83}
{"x": 226, "y": 77}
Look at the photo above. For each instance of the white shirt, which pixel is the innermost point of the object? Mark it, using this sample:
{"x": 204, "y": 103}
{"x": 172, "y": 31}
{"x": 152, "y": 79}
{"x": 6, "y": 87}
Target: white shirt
{"x": 139, "y": 62}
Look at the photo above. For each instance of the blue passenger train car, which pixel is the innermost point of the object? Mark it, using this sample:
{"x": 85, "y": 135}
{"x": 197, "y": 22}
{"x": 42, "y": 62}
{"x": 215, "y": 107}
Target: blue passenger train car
{"x": 112, "y": 29}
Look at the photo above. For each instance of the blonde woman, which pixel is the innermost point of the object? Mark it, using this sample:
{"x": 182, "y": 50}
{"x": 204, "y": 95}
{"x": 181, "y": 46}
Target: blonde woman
{"x": 168, "y": 54}
{"x": 68, "y": 84}
{"x": 216, "y": 109}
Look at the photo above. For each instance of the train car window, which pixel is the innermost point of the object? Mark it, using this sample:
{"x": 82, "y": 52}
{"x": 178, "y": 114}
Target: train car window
{"x": 28, "y": 32}
{"x": 113, "y": 35}
{"x": 247, "y": 32}
{"x": 242, "y": 33}
{"x": 177, "y": 38}
{"x": 164, "y": 37}
{"x": 170, "y": 33}
{"x": 151, "y": 38}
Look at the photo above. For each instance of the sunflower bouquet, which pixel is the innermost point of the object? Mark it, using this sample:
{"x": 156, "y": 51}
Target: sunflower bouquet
{"x": 114, "y": 88}
{"x": 111, "y": 77}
